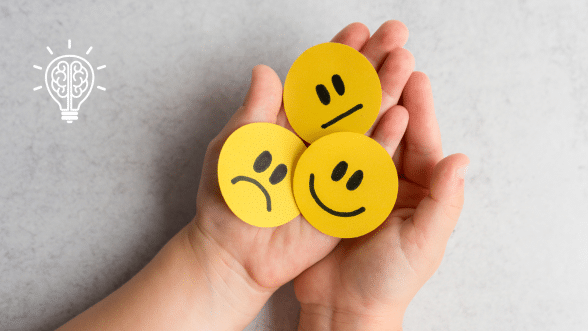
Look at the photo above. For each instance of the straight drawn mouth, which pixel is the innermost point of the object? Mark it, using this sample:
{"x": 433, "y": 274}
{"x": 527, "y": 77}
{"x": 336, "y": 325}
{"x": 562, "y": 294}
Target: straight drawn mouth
{"x": 327, "y": 209}
{"x": 342, "y": 116}
{"x": 258, "y": 184}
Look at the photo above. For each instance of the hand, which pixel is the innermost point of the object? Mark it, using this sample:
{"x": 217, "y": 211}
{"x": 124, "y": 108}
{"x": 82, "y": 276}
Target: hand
{"x": 250, "y": 262}
{"x": 219, "y": 271}
{"x": 366, "y": 283}
{"x": 266, "y": 258}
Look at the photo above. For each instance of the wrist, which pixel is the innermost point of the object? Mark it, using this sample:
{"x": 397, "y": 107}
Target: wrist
{"x": 232, "y": 298}
{"x": 315, "y": 317}
{"x": 182, "y": 288}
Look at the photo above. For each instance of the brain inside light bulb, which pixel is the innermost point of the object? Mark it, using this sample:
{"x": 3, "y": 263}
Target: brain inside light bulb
{"x": 69, "y": 80}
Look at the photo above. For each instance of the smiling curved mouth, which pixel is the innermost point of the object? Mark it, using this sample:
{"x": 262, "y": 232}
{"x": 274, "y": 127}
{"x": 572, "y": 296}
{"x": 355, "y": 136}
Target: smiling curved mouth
{"x": 342, "y": 116}
{"x": 253, "y": 181}
{"x": 327, "y": 209}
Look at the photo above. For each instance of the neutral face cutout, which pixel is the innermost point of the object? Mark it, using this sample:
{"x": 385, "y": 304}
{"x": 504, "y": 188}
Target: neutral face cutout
{"x": 330, "y": 88}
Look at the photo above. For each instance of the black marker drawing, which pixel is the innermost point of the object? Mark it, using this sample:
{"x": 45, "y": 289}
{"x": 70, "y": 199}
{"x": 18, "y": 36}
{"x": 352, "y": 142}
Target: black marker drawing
{"x": 258, "y": 184}
{"x": 339, "y": 171}
{"x": 352, "y": 184}
{"x": 338, "y": 84}
{"x": 325, "y": 98}
{"x": 262, "y": 162}
{"x": 342, "y": 116}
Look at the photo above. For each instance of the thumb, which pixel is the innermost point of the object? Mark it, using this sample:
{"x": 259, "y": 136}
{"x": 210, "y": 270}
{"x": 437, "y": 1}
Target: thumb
{"x": 436, "y": 215}
{"x": 262, "y": 102}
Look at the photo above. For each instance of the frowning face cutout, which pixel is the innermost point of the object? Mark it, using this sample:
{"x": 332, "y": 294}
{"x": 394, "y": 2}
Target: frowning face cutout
{"x": 255, "y": 171}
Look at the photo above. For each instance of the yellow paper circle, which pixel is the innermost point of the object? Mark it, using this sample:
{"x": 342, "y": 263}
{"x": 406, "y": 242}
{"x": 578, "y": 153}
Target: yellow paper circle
{"x": 255, "y": 170}
{"x": 329, "y": 191}
{"x": 330, "y": 88}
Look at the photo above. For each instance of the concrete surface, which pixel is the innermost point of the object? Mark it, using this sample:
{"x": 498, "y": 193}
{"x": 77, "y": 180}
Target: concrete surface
{"x": 85, "y": 205}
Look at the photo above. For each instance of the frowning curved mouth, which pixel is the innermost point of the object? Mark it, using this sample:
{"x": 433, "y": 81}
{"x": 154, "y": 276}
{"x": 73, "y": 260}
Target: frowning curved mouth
{"x": 342, "y": 116}
{"x": 327, "y": 209}
{"x": 258, "y": 184}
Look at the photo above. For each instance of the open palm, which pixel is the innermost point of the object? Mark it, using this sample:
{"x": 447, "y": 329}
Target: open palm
{"x": 377, "y": 275}
{"x": 269, "y": 257}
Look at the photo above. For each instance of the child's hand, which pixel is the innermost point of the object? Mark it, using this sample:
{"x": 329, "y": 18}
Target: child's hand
{"x": 217, "y": 272}
{"x": 266, "y": 258}
{"x": 366, "y": 283}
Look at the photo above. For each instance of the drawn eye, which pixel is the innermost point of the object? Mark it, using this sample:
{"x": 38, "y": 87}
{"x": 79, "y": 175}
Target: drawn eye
{"x": 323, "y": 94}
{"x": 339, "y": 171}
{"x": 338, "y": 84}
{"x": 262, "y": 162}
{"x": 279, "y": 174}
{"x": 355, "y": 180}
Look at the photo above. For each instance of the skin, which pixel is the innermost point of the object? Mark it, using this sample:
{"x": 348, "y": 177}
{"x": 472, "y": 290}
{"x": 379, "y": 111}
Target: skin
{"x": 217, "y": 272}
{"x": 367, "y": 282}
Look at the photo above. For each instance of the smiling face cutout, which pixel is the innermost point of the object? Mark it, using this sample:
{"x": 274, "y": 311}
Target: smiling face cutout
{"x": 330, "y": 88}
{"x": 345, "y": 184}
{"x": 255, "y": 169}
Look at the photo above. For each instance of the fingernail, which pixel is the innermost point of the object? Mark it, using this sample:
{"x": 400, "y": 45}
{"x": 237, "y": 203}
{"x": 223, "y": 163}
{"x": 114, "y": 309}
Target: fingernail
{"x": 461, "y": 172}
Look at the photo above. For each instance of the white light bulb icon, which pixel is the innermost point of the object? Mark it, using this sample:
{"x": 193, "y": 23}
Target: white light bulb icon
{"x": 69, "y": 80}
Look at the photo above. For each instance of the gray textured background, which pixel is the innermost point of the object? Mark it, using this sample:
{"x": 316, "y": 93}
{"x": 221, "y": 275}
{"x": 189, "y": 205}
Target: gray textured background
{"x": 84, "y": 206}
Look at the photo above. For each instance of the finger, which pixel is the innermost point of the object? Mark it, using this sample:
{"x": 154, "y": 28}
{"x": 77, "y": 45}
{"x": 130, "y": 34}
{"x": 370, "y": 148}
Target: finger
{"x": 390, "y": 35}
{"x": 436, "y": 215}
{"x": 282, "y": 121}
{"x": 354, "y": 35}
{"x": 393, "y": 74}
{"x": 398, "y": 154}
{"x": 261, "y": 104}
{"x": 390, "y": 128}
{"x": 422, "y": 150}
{"x": 409, "y": 194}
